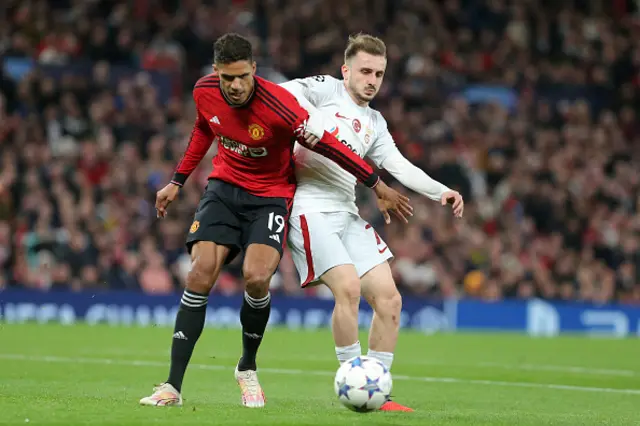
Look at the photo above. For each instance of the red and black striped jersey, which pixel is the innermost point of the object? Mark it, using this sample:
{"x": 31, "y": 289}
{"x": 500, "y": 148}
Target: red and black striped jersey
{"x": 255, "y": 140}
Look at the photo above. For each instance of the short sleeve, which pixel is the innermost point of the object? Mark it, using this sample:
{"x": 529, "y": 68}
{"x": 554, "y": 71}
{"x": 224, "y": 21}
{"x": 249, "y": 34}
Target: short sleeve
{"x": 317, "y": 89}
{"x": 383, "y": 146}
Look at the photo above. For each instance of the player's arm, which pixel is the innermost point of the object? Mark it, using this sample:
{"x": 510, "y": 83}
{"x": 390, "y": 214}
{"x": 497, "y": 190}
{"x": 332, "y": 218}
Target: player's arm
{"x": 329, "y": 146}
{"x": 301, "y": 121}
{"x": 199, "y": 143}
{"x": 301, "y": 126}
{"x": 413, "y": 177}
{"x": 386, "y": 155}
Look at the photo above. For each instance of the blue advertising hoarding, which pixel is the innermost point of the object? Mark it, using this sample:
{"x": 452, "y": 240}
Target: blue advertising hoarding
{"x": 534, "y": 317}
{"x": 131, "y": 308}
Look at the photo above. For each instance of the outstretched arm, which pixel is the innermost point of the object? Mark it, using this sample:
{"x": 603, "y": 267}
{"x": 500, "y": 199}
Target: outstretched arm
{"x": 413, "y": 177}
{"x": 418, "y": 181}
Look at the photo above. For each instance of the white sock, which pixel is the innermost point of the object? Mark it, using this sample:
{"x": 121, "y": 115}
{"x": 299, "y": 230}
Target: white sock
{"x": 384, "y": 357}
{"x": 257, "y": 303}
{"x": 345, "y": 353}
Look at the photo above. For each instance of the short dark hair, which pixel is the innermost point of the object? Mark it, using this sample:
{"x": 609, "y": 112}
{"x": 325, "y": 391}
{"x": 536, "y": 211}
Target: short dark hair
{"x": 364, "y": 43}
{"x": 232, "y": 47}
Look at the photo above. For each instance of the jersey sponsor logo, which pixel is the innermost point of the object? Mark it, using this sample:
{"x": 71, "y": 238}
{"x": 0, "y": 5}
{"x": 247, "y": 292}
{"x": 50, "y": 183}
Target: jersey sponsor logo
{"x": 194, "y": 226}
{"x": 348, "y": 145}
{"x": 341, "y": 116}
{"x": 357, "y": 126}
{"x": 242, "y": 149}
{"x": 256, "y": 132}
{"x": 335, "y": 132}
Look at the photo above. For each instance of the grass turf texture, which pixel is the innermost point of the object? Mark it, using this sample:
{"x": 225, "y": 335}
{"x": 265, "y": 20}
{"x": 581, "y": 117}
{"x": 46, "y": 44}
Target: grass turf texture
{"x": 96, "y": 375}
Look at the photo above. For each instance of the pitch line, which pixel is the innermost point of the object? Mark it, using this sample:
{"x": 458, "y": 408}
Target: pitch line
{"x": 572, "y": 369}
{"x": 142, "y": 363}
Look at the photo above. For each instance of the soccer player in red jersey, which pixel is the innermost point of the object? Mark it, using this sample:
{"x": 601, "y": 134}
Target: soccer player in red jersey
{"x": 246, "y": 204}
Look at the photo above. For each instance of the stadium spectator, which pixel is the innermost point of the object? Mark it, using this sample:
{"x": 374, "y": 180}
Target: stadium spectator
{"x": 528, "y": 108}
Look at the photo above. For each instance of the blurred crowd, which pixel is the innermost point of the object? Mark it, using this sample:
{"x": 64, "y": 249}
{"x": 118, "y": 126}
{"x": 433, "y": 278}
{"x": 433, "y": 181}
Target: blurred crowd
{"x": 527, "y": 107}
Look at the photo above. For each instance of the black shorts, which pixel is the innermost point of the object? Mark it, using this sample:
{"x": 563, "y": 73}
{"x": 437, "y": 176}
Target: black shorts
{"x": 228, "y": 215}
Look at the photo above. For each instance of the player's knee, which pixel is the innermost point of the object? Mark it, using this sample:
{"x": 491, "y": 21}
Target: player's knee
{"x": 348, "y": 293}
{"x": 202, "y": 276}
{"x": 257, "y": 279}
{"x": 389, "y": 305}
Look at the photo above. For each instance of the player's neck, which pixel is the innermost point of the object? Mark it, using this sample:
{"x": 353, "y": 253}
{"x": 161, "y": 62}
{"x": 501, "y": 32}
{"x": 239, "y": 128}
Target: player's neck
{"x": 354, "y": 98}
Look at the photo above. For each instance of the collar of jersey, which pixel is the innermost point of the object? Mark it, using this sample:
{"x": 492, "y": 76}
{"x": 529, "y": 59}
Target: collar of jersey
{"x": 245, "y": 103}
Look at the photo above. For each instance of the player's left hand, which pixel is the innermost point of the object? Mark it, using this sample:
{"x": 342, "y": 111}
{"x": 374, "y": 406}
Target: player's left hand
{"x": 455, "y": 199}
{"x": 391, "y": 200}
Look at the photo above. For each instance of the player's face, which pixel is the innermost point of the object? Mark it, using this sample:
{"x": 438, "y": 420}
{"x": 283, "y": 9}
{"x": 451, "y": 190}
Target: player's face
{"x": 363, "y": 75}
{"x": 236, "y": 80}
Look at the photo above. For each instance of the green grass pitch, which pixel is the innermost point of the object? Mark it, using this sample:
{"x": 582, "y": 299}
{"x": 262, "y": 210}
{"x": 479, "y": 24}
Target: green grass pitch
{"x": 84, "y": 375}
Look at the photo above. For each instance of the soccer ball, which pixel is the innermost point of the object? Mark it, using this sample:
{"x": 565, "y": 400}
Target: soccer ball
{"x": 363, "y": 384}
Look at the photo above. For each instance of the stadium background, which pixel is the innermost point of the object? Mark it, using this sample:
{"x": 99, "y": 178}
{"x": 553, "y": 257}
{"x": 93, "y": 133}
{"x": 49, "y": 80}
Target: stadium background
{"x": 528, "y": 108}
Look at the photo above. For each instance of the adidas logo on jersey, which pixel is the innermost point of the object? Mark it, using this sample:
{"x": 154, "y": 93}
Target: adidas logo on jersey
{"x": 179, "y": 335}
{"x": 215, "y": 119}
{"x": 275, "y": 237}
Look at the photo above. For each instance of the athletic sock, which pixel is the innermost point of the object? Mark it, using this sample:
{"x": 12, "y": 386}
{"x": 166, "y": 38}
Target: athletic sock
{"x": 254, "y": 316}
{"x": 384, "y": 357}
{"x": 344, "y": 353}
{"x": 188, "y": 328}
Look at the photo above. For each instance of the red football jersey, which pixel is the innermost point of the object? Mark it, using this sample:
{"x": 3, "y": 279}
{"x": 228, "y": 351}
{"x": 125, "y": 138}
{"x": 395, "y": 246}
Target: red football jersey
{"x": 255, "y": 140}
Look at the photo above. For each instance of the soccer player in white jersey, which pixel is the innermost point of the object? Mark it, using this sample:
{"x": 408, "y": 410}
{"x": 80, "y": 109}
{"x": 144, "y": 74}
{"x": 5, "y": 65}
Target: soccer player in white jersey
{"x": 330, "y": 242}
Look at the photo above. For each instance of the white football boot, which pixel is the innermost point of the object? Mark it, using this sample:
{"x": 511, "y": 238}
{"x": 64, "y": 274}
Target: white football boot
{"x": 252, "y": 394}
{"x": 163, "y": 395}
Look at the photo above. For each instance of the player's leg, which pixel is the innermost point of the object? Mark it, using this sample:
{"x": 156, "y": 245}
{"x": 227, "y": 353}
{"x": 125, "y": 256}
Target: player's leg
{"x": 370, "y": 255}
{"x": 260, "y": 264}
{"x": 344, "y": 283}
{"x": 264, "y": 235}
{"x": 213, "y": 239}
{"x": 207, "y": 259}
{"x": 379, "y": 289}
{"x": 320, "y": 257}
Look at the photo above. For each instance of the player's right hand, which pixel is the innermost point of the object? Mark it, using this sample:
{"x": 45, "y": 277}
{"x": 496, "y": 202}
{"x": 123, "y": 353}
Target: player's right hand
{"x": 310, "y": 140}
{"x": 164, "y": 197}
{"x": 391, "y": 200}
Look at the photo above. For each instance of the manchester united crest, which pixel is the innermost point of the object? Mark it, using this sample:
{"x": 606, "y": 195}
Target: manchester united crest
{"x": 256, "y": 132}
{"x": 194, "y": 226}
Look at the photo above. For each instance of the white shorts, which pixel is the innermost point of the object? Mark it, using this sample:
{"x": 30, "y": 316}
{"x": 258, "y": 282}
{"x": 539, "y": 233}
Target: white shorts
{"x": 321, "y": 241}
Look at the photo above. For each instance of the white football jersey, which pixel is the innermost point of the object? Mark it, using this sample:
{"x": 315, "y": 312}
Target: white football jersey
{"x": 323, "y": 186}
